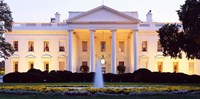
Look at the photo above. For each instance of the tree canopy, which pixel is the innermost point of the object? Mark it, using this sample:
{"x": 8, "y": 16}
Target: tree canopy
{"x": 176, "y": 39}
{"x": 6, "y": 50}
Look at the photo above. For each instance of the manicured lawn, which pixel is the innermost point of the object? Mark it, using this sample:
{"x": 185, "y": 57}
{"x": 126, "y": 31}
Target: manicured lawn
{"x": 11, "y": 96}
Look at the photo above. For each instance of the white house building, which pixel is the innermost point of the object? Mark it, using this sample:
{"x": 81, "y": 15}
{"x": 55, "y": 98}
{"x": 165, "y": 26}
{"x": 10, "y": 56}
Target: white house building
{"x": 118, "y": 37}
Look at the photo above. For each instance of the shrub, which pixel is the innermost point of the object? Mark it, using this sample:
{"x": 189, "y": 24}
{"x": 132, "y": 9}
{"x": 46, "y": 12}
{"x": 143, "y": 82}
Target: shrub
{"x": 84, "y": 69}
{"x": 142, "y": 75}
{"x": 121, "y": 69}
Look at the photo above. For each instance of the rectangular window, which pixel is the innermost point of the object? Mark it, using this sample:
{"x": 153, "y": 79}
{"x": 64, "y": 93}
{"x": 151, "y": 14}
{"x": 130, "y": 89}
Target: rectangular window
{"x": 191, "y": 68}
{"x": 61, "y": 46}
{"x": 144, "y": 46}
{"x": 15, "y": 45}
{"x": 121, "y": 63}
{"x": 31, "y": 64}
{"x": 84, "y": 63}
{"x": 46, "y": 46}
{"x": 62, "y": 65}
{"x": 84, "y": 46}
{"x": 175, "y": 66}
{"x": 15, "y": 66}
{"x": 121, "y": 46}
{"x": 103, "y": 46}
{"x": 160, "y": 66}
{"x": 159, "y": 47}
{"x": 30, "y": 46}
{"x": 46, "y": 66}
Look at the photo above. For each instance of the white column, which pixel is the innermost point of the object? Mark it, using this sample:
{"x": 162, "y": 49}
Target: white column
{"x": 135, "y": 50}
{"x": 70, "y": 50}
{"x": 113, "y": 51}
{"x": 92, "y": 51}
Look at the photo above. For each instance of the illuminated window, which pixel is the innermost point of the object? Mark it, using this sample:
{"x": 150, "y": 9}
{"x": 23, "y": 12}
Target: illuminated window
{"x": 61, "y": 65}
{"x": 144, "y": 46}
{"x": 175, "y": 66}
{"x": 46, "y": 66}
{"x": 31, "y": 64}
{"x": 46, "y": 46}
{"x": 103, "y": 46}
{"x": 15, "y": 66}
{"x": 61, "y": 46}
{"x": 30, "y": 46}
{"x": 159, "y": 47}
{"x": 160, "y": 66}
{"x": 121, "y": 63}
{"x": 84, "y": 63}
{"x": 84, "y": 46}
{"x": 121, "y": 46}
{"x": 191, "y": 68}
{"x": 15, "y": 45}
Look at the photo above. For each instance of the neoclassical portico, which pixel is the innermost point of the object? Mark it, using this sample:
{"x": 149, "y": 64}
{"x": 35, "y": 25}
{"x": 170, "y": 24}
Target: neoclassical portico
{"x": 109, "y": 21}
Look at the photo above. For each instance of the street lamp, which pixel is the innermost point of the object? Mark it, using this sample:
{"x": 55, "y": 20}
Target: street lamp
{"x": 103, "y": 61}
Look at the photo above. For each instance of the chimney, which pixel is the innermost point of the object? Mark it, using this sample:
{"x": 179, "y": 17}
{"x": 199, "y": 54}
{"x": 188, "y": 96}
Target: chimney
{"x": 149, "y": 16}
{"x": 57, "y": 17}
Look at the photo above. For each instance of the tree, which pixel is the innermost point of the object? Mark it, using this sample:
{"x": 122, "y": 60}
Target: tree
{"x": 6, "y": 50}
{"x": 174, "y": 41}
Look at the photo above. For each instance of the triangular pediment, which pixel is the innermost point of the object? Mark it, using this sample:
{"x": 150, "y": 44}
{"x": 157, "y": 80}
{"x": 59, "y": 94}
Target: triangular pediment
{"x": 103, "y": 14}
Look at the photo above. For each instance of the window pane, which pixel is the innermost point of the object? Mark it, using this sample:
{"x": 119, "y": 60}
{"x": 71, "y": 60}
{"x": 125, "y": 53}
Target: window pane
{"x": 84, "y": 46}
{"x": 46, "y": 46}
{"x": 191, "y": 68}
{"x": 15, "y": 45}
{"x": 31, "y": 64}
{"x": 175, "y": 66}
{"x": 121, "y": 46}
{"x": 30, "y": 46}
{"x": 46, "y": 66}
{"x": 61, "y": 65}
{"x": 159, "y": 47}
{"x": 15, "y": 66}
{"x": 61, "y": 46}
{"x": 144, "y": 46}
{"x": 103, "y": 46}
{"x": 160, "y": 66}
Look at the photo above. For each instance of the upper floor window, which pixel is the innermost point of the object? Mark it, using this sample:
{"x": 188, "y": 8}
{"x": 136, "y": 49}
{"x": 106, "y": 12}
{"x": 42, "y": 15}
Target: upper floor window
{"x": 121, "y": 46}
{"x": 15, "y": 45}
{"x": 144, "y": 46}
{"x": 46, "y": 46}
{"x": 103, "y": 46}
{"x": 159, "y": 47}
{"x": 61, "y": 46}
{"x": 30, "y": 46}
{"x": 84, "y": 46}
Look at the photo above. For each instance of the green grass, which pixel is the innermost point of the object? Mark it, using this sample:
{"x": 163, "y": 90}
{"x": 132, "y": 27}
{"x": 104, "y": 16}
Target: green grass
{"x": 14, "y": 96}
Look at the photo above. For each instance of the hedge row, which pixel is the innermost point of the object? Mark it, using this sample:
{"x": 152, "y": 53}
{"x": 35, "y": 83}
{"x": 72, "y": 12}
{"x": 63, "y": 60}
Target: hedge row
{"x": 141, "y": 75}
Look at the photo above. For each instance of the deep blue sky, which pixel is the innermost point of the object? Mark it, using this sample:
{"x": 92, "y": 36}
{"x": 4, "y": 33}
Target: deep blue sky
{"x": 42, "y": 10}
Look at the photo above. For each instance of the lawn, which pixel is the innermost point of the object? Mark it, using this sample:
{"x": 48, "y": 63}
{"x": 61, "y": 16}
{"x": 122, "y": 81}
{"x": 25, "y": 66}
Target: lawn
{"x": 14, "y": 96}
{"x": 137, "y": 90}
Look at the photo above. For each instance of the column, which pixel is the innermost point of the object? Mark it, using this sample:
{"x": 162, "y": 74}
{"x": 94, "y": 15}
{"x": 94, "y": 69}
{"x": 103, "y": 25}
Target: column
{"x": 70, "y": 50}
{"x": 92, "y": 53}
{"x": 113, "y": 51}
{"x": 135, "y": 50}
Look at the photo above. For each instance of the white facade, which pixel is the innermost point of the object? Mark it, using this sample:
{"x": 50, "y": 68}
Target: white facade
{"x": 120, "y": 37}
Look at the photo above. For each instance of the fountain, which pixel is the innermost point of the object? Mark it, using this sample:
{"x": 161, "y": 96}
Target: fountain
{"x": 98, "y": 80}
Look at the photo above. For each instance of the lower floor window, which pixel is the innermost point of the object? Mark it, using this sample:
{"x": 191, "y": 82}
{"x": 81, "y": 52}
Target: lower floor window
{"x": 46, "y": 66}
{"x": 15, "y": 65}
{"x": 175, "y": 67}
{"x": 31, "y": 65}
{"x": 61, "y": 65}
{"x": 160, "y": 66}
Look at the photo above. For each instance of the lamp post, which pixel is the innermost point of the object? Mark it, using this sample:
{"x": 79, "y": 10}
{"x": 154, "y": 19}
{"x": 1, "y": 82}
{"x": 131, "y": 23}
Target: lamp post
{"x": 103, "y": 61}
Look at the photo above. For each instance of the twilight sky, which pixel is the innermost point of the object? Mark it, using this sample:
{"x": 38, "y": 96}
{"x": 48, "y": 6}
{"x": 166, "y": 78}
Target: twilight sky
{"x": 42, "y": 10}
